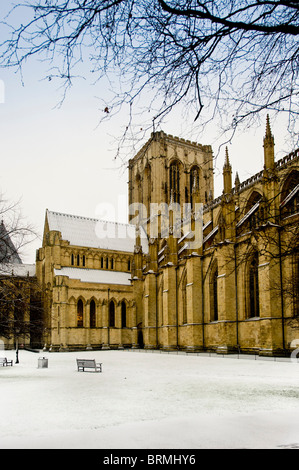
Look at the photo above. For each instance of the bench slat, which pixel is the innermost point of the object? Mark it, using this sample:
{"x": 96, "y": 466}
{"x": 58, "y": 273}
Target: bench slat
{"x": 89, "y": 364}
{"x": 5, "y": 362}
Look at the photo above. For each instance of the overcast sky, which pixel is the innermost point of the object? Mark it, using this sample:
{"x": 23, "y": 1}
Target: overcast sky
{"x": 59, "y": 158}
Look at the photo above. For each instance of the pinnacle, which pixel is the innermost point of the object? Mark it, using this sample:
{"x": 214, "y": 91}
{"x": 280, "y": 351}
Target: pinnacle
{"x": 268, "y": 128}
{"x": 227, "y": 163}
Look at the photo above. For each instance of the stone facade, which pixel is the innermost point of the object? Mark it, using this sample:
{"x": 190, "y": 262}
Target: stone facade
{"x": 236, "y": 290}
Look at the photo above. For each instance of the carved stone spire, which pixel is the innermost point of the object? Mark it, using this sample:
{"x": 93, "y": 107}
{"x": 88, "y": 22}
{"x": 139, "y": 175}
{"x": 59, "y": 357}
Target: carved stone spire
{"x": 227, "y": 174}
{"x": 268, "y": 147}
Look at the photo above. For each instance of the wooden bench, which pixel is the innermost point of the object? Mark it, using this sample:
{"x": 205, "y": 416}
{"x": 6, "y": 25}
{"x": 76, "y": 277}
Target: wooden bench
{"x": 83, "y": 364}
{"x": 4, "y": 362}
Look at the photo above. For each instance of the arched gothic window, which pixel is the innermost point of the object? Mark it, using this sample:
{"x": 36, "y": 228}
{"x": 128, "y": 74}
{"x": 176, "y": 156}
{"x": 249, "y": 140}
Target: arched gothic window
{"x": 123, "y": 314}
{"x": 92, "y": 314}
{"x": 112, "y": 313}
{"x": 254, "y": 307}
{"x": 256, "y": 216}
{"x": 194, "y": 182}
{"x": 214, "y": 294}
{"x": 174, "y": 180}
{"x": 290, "y": 195}
{"x": 79, "y": 313}
{"x": 184, "y": 299}
{"x": 72, "y": 259}
{"x": 254, "y": 213}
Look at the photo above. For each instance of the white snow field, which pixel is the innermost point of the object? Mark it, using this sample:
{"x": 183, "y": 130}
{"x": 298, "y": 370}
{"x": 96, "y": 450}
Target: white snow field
{"x": 145, "y": 400}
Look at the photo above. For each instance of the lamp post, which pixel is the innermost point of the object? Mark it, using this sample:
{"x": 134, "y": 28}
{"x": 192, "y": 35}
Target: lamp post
{"x": 17, "y": 331}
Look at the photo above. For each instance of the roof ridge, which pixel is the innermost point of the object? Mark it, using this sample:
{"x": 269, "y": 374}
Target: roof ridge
{"x": 89, "y": 218}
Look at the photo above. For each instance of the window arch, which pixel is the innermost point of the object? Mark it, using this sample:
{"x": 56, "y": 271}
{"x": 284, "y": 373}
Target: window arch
{"x": 214, "y": 293}
{"x": 174, "y": 181}
{"x": 290, "y": 194}
{"x": 123, "y": 314}
{"x": 92, "y": 314}
{"x": 253, "y": 199}
{"x": 253, "y": 285}
{"x": 184, "y": 299}
{"x": 221, "y": 227}
{"x": 194, "y": 182}
{"x": 83, "y": 260}
{"x": 72, "y": 259}
{"x": 256, "y": 216}
{"x": 253, "y": 215}
{"x": 111, "y": 313}
{"x": 80, "y": 313}
{"x": 78, "y": 260}
{"x": 138, "y": 188}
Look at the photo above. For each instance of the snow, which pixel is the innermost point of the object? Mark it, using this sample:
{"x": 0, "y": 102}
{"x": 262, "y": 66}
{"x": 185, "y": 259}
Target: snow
{"x": 146, "y": 400}
{"x": 96, "y": 233}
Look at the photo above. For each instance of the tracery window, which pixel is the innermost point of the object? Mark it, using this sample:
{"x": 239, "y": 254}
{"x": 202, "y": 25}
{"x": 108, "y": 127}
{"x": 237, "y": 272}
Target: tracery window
{"x": 194, "y": 182}
{"x": 254, "y": 307}
{"x": 92, "y": 314}
{"x": 214, "y": 294}
{"x": 254, "y": 214}
{"x": 112, "y": 313}
{"x": 79, "y": 313}
{"x": 123, "y": 314}
{"x": 174, "y": 181}
{"x": 290, "y": 195}
{"x": 184, "y": 299}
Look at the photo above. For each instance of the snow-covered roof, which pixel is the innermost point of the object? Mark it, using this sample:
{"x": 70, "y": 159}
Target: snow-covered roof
{"x": 17, "y": 269}
{"x": 95, "y": 275}
{"x": 96, "y": 233}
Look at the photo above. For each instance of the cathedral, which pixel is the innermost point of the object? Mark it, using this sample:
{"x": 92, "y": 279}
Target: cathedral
{"x": 188, "y": 271}
{"x": 217, "y": 274}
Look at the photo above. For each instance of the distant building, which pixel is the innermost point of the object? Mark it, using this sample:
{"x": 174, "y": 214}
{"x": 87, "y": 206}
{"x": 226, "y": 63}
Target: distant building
{"x": 21, "y": 314}
{"x": 142, "y": 284}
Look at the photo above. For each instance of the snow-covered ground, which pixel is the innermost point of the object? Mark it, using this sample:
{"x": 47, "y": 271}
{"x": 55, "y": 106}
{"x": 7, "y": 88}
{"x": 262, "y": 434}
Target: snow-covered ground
{"x": 149, "y": 401}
